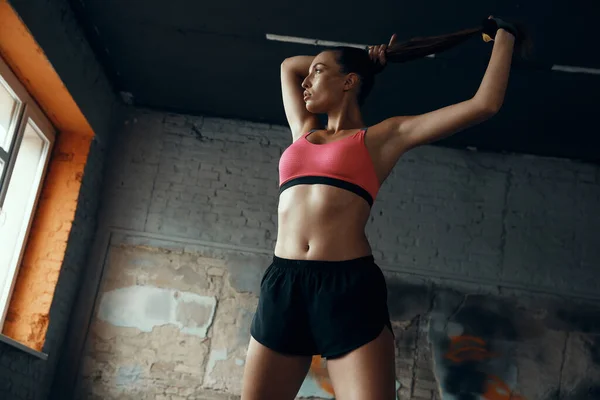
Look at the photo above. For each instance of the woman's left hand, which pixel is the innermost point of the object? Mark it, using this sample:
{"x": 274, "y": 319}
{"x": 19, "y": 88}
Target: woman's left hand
{"x": 492, "y": 25}
{"x": 377, "y": 53}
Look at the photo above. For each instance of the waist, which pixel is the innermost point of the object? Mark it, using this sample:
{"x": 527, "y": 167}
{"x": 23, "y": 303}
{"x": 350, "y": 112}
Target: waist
{"x": 359, "y": 262}
{"x": 321, "y": 248}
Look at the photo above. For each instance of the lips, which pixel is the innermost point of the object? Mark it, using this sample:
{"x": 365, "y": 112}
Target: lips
{"x": 306, "y": 95}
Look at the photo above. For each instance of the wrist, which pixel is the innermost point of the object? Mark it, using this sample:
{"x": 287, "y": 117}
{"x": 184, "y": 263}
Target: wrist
{"x": 504, "y": 35}
{"x": 298, "y": 64}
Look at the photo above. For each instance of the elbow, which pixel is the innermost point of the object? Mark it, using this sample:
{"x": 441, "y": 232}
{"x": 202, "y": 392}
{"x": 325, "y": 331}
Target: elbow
{"x": 487, "y": 109}
{"x": 289, "y": 66}
{"x": 493, "y": 109}
{"x": 288, "y": 63}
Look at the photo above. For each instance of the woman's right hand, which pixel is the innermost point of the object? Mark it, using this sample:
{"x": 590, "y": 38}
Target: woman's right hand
{"x": 378, "y": 56}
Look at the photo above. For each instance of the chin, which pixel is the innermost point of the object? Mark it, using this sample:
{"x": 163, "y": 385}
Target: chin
{"x": 311, "y": 107}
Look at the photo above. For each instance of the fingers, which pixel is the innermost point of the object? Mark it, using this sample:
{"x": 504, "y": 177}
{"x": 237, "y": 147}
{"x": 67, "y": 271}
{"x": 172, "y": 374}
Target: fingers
{"x": 378, "y": 53}
{"x": 382, "y": 50}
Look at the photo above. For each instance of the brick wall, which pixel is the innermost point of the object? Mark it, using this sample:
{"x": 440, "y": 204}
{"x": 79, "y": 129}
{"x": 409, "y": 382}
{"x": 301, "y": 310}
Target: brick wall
{"x": 477, "y": 250}
{"x": 508, "y": 220}
{"x": 27, "y": 317}
{"x": 173, "y": 318}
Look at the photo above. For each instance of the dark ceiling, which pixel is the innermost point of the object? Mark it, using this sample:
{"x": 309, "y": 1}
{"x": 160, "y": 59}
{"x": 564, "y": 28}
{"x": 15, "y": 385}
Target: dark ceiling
{"x": 212, "y": 58}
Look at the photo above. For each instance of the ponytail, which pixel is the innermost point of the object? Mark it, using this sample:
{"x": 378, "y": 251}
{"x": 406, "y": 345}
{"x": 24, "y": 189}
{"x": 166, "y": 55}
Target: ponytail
{"x": 352, "y": 59}
{"x": 421, "y": 47}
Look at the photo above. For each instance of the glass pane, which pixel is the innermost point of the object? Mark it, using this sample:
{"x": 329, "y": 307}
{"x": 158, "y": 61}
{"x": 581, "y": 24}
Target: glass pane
{"x": 8, "y": 106}
{"x": 20, "y": 197}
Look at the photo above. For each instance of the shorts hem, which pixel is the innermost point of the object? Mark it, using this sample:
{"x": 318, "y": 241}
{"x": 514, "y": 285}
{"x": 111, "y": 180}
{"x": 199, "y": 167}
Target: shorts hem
{"x": 351, "y": 348}
{"x": 277, "y": 349}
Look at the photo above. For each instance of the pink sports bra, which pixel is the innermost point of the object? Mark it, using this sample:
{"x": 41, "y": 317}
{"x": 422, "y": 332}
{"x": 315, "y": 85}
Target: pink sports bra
{"x": 344, "y": 163}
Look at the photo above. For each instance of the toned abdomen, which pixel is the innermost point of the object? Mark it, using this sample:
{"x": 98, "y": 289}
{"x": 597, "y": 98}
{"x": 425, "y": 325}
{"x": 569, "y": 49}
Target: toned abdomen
{"x": 320, "y": 222}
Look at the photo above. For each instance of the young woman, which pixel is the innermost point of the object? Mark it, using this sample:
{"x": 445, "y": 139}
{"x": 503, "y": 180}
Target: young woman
{"x": 323, "y": 293}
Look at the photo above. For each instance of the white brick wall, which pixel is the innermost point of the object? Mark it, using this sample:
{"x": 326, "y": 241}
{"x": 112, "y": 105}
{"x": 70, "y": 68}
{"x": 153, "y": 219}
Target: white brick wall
{"x": 507, "y": 220}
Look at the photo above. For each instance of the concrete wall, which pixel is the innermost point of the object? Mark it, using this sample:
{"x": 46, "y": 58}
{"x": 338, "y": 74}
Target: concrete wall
{"x": 23, "y": 376}
{"x": 478, "y": 250}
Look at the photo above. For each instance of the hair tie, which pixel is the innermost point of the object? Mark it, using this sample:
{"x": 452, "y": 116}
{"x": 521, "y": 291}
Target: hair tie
{"x": 490, "y": 27}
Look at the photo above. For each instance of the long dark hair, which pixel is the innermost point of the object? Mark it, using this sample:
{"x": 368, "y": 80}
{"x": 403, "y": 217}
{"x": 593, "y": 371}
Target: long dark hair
{"x": 356, "y": 60}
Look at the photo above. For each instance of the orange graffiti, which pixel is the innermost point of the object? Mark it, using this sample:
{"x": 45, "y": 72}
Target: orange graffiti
{"x": 496, "y": 389}
{"x": 318, "y": 370}
{"x": 471, "y": 348}
{"x": 463, "y": 349}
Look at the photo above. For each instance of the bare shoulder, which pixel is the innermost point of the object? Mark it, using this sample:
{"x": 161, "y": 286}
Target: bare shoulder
{"x": 380, "y": 134}
{"x": 307, "y": 127}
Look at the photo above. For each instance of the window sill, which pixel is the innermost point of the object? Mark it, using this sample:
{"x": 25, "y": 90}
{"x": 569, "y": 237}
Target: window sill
{"x": 20, "y": 346}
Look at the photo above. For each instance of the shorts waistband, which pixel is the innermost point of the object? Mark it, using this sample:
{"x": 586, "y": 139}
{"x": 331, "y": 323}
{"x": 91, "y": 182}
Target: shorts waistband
{"x": 319, "y": 264}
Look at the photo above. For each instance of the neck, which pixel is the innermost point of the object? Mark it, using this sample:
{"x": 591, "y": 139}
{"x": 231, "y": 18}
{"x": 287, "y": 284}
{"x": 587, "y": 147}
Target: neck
{"x": 346, "y": 116}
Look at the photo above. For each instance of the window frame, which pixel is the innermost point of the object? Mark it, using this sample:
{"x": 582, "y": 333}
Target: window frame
{"x": 28, "y": 111}
{"x": 14, "y": 87}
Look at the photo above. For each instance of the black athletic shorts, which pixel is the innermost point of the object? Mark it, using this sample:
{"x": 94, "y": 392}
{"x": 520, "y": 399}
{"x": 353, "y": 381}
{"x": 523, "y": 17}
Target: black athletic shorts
{"x": 328, "y": 308}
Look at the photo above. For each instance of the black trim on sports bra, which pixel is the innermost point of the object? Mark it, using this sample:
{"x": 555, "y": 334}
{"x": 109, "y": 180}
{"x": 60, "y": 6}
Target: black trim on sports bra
{"x": 325, "y": 180}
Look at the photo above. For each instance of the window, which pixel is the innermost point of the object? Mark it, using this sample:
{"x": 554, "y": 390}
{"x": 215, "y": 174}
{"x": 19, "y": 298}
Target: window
{"x": 26, "y": 137}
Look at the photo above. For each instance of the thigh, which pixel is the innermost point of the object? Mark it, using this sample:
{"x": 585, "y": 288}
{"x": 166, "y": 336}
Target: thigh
{"x": 349, "y": 309}
{"x": 367, "y": 372}
{"x": 269, "y": 375}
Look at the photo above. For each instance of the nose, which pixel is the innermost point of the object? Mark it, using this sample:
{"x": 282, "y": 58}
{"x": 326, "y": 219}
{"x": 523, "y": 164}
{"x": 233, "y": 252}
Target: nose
{"x": 306, "y": 83}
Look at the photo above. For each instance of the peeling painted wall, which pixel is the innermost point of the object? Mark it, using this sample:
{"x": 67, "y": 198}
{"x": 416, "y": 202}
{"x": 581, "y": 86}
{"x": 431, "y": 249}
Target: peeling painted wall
{"x": 167, "y": 323}
{"x": 139, "y": 345}
{"x": 450, "y": 345}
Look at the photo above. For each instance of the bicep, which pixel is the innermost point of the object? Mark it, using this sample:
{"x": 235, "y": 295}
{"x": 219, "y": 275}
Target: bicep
{"x": 412, "y": 131}
{"x": 298, "y": 117}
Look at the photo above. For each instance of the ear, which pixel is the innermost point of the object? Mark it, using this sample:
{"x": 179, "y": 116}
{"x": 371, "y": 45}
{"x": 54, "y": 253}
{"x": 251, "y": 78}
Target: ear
{"x": 352, "y": 81}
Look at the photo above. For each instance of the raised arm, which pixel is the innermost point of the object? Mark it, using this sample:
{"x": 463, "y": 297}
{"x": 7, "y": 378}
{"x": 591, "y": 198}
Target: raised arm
{"x": 293, "y": 72}
{"x": 399, "y": 134}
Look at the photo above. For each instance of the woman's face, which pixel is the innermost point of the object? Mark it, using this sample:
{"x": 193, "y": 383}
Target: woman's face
{"x": 325, "y": 85}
